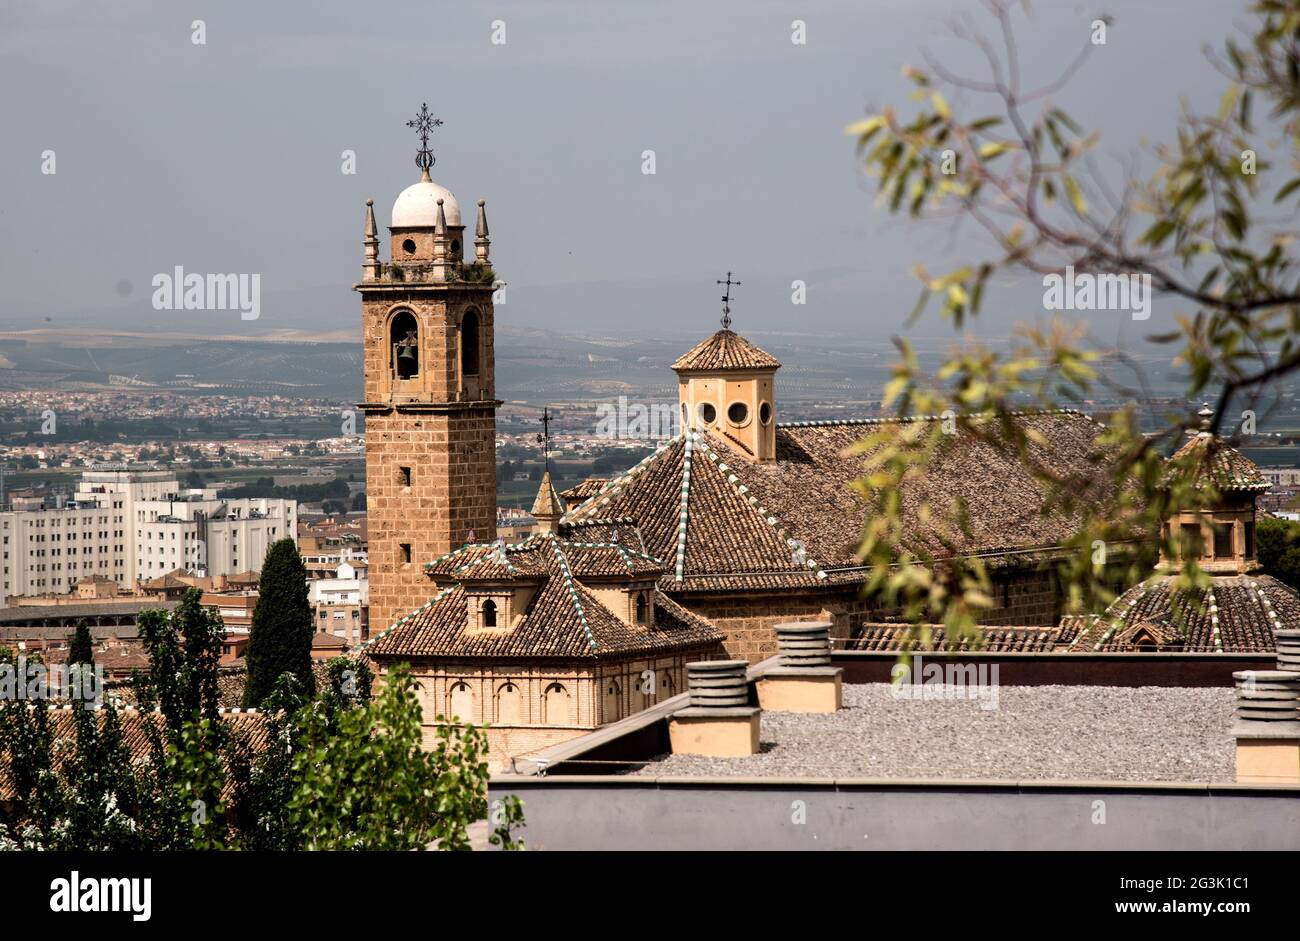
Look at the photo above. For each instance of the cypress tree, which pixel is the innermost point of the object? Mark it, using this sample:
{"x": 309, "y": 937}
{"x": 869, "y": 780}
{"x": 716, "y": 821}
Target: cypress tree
{"x": 82, "y": 648}
{"x": 280, "y": 640}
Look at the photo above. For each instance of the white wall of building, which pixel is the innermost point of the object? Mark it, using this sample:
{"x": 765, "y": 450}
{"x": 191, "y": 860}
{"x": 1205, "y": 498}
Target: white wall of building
{"x": 124, "y": 526}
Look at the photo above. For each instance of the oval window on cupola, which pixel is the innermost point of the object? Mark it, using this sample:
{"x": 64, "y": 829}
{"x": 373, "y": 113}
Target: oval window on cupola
{"x": 708, "y": 413}
{"x": 738, "y": 413}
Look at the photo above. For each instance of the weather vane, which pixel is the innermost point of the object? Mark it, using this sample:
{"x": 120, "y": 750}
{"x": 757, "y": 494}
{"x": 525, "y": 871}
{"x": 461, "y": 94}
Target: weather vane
{"x": 726, "y": 302}
{"x": 544, "y": 439}
{"x": 424, "y": 123}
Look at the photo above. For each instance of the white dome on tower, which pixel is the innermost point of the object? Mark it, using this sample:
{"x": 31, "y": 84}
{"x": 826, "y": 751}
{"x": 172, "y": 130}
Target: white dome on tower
{"x": 417, "y": 206}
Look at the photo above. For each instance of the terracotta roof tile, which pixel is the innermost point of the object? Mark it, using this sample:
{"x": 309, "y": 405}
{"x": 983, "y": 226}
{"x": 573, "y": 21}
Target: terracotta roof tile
{"x": 797, "y": 520}
{"x": 893, "y": 637}
{"x": 564, "y": 619}
{"x": 725, "y": 350}
{"x": 1233, "y": 614}
{"x": 1213, "y": 463}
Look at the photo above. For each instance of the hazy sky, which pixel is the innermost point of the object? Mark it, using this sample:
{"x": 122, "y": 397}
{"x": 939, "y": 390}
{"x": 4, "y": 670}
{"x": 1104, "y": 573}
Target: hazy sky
{"x": 225, "y": 157}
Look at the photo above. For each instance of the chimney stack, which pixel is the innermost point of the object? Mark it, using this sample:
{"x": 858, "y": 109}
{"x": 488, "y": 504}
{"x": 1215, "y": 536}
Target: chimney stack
{"x": 804, "y": 681}
{"x": 1267, "y": 727}
{"x": 719, "y": 722}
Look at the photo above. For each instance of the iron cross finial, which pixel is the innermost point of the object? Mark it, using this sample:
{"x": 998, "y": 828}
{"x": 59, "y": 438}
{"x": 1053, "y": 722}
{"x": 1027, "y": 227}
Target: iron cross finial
{"x": 424, "y": 123}
{"x": 726, "y": 302}
{"x": 544, "y": 439}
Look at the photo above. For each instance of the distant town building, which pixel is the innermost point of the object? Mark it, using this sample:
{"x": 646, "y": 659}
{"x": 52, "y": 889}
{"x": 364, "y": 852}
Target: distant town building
{"x": 133, "y": 525}
{"x": 1282, "y": 476}
{"x": 340, "y": 604}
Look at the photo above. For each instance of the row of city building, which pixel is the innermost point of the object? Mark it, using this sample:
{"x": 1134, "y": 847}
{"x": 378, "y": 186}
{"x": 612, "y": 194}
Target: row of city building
{"x": 134, "y": 539}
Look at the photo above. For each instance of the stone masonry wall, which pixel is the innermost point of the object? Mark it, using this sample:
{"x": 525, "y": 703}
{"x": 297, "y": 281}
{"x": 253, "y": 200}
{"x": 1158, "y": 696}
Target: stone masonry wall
{"x": 452, "y": 459}
{"x": 1022, "y": 596}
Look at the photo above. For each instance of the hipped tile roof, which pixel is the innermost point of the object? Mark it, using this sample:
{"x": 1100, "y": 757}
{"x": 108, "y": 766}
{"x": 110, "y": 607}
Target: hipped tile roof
{"x": 564, "y": 619}
{"x": 588, "y": 488}
{"x": 725, "y": 522}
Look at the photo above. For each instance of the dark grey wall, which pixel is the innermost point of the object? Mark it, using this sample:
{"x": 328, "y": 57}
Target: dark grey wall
{"x": 719, "y": 814}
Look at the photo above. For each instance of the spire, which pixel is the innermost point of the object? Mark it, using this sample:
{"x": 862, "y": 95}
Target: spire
{"x": 549, "y": 506}
{"x": 481, "y": 240}
{"x": 440, "y": 243}
{"x": 370, "y": 269}
{"x": 440, "y": 225}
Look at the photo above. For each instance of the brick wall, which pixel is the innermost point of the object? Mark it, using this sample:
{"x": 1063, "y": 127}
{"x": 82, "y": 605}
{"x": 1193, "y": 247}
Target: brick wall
{"x": 1022, "y": 596}
{"x": 452, "y": 491}
{"x": 441, "y": 425}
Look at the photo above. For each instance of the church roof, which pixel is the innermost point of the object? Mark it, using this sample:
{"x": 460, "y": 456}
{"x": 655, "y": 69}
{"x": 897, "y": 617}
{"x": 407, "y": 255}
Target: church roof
{"x": 564, "y": 619}
{"x": 1232, "y": 614}
{"x": 1032, "y": 639}
{"x": 588, "y": 488}
{"x": 725, "y": 522}
{"x": 548, "y": 502}
{"x": 1215, "y": 464}
{"x": 725, "y": 350}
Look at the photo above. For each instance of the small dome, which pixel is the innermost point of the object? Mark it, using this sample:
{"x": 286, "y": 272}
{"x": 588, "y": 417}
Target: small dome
{"x": 417, "y": 206}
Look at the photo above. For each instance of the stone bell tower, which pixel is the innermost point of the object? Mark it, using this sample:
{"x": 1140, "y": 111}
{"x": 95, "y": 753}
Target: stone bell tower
{"x": 430, "y": 391}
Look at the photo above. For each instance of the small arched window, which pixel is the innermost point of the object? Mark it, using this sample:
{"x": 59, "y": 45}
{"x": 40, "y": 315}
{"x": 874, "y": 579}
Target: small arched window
{"x": 404, "y": 338}
{"x": 642, "y": 607}
{"x": 469, "y": 343}
{"x": 489, "y": 613}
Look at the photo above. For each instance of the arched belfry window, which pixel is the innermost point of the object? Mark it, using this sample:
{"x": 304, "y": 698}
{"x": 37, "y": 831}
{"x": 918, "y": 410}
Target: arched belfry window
{"x": 469, "y": 344}
{"x": 489, "y": 613}
{"x": 641, "y": 608}
{"x": 404, "y": 338}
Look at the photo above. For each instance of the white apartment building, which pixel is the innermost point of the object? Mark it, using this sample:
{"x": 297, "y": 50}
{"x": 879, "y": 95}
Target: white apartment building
{"x": 130, "y": 525}
{"x": 340, "y": 602}
{"x": 200, "y": 533}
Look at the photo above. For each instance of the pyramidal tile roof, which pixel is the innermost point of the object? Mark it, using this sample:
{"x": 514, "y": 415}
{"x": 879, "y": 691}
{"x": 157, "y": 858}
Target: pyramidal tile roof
{"x": 548, "y": 502}
{"x": 1214, "y": 464}
{"x": 725, "y": 350}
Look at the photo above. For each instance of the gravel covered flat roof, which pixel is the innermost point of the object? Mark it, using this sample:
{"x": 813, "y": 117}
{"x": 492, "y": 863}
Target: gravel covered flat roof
{"x": 1098, "y": 733}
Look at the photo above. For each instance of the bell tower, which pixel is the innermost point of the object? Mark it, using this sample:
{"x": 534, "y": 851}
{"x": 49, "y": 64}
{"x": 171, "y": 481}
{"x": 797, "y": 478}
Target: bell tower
{"x": 430, "y": 390}
{"x": 727, "y": 386}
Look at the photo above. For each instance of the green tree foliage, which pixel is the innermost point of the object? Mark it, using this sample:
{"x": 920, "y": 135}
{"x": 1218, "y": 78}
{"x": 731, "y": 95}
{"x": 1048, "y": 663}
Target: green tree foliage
{"x": 428, "y": 796}
{"x": 184, "y": 649}
{"x": 336, "y": 772}
{"x": 1277, "y": 547}
{"x": 82, "y": 648}
{"x": 280, "y": 639}
{"x": 1023, "y": 175}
